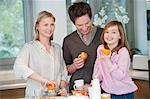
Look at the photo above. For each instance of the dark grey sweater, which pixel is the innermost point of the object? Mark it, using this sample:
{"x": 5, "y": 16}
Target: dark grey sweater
{"x": 72, "y": 47}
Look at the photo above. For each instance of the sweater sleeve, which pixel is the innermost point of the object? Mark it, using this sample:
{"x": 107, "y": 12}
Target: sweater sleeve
{"x": 120, "y": 67}
{"x": 21, "y": 65}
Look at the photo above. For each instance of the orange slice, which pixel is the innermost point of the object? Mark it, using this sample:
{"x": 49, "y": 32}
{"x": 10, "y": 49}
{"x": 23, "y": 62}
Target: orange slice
{"x": 51, "y": 86}
{"x": 105, "y": 51}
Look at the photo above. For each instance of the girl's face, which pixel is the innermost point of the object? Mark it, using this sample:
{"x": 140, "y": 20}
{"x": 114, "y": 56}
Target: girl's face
{"x": 46, "y": 27}
{"x": 112, "y": 36}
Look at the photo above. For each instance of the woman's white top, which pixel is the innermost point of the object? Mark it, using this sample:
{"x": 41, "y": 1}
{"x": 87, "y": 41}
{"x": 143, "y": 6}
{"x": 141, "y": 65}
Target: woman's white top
{"x": 35, "y": 58}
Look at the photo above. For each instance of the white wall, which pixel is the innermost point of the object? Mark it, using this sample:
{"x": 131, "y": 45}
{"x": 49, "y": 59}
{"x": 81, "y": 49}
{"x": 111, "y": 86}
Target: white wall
{"x": 58, "y": 9}
{"x": 140, "y": 27}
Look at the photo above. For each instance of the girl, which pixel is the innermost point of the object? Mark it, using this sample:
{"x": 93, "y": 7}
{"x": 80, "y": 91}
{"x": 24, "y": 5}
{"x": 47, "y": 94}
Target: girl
{"x": 112, "y": 70}
{"x": 41, "y": 61}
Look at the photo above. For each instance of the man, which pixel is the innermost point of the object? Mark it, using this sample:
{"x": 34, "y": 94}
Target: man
{"x": 85, "y": 39}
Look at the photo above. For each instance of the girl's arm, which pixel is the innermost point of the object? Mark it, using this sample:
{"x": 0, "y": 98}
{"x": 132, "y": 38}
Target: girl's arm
{"x": 119, "y": 65}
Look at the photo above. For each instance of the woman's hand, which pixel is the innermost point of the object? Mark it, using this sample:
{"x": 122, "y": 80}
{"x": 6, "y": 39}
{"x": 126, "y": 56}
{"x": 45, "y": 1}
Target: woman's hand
{"x": 50, "y": 85}
{"x": 51, "y": 82}
{"x": 63, "y": 92}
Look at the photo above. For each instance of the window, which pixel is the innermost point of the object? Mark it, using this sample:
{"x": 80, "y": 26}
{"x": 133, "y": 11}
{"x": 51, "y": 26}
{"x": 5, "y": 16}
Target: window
{"x": 14, "y": 26}
{"x": 70, "y": 26}
{"x": 96, "y": 6}
{"x": 148, "y": 24}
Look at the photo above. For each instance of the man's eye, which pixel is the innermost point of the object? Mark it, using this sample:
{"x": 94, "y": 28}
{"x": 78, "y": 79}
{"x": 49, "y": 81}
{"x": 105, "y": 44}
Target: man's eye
{"x": 45, "y": 24}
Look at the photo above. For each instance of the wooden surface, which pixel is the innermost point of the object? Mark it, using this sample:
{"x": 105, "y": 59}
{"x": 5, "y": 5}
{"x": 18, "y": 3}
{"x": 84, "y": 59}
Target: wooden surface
{"x": 143, "y": 91}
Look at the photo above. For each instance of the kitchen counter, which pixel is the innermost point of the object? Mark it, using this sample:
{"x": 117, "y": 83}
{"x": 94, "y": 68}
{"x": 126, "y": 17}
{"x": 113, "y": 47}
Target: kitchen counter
{"x": 59, "y": 97}
{"x": 9, "y": 81}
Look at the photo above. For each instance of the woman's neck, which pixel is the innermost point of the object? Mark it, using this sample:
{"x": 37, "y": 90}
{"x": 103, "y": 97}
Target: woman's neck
{"x": 46, "y": 43}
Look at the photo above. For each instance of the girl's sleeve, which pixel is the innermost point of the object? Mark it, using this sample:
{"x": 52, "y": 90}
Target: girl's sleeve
{"x": 120, "y": 68}
{"x": 21, "y": 65}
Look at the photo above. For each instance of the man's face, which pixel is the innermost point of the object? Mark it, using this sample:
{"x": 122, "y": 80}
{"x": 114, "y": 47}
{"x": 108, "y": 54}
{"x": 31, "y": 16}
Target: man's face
{"x": 83, "y": 24}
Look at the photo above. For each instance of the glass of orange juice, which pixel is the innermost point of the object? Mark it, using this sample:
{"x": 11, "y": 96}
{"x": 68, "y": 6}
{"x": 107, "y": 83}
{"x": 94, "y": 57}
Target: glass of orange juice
{"x": 105, "y": 96}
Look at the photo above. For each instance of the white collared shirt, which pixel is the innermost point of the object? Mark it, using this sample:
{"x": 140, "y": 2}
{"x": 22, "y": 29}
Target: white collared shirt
{"x": 35, "y": 58}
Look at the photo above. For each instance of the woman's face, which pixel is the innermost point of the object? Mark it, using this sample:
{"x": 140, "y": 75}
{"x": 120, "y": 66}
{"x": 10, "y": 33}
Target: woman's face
{"x": 112, "y": 36}
{"x": 46, "y": 27}
{"x": 83, "y": 24}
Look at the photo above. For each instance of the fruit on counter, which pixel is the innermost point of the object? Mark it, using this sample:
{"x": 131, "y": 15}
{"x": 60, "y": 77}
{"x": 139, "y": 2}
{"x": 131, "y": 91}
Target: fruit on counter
{"x": 51, "y": 86}
{"x": 83, "y": 55}
{"x": 79, "y": 92}
{"x": 41, "y": 97}
{"x": 105, "y": 51}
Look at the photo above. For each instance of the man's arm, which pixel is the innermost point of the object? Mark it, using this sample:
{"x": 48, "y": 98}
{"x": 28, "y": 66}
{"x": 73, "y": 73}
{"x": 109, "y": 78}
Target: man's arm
{"x": 71, "y": 68}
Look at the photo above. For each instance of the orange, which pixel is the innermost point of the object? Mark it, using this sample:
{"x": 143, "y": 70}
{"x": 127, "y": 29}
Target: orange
{"x": 105, "y": 51}
{"x": 51, "y": 86}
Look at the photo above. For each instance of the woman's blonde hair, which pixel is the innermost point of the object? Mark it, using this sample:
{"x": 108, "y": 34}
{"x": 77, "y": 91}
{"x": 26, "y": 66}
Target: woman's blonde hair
{"x": 41, "y": 15}
{"x": 122, "y": 42}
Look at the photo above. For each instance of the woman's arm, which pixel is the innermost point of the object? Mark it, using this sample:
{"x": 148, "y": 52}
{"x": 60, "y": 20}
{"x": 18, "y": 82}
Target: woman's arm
{"x": 21, "y": 65}
{"x": 37, "y": 77}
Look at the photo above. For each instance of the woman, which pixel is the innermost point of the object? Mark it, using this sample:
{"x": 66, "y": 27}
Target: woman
{"x": 40, "y": 61}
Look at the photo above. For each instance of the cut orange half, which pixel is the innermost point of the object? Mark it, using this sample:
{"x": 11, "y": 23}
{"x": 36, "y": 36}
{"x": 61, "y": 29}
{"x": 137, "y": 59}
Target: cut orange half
{"x": 51, "y": 86}
{"x": 105, "y": 51}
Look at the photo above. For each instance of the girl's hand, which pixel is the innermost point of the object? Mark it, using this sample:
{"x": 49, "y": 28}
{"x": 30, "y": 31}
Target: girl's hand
{"x": 105, "y": 53}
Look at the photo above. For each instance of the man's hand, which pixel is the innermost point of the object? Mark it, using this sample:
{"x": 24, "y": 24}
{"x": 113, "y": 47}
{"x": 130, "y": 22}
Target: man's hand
{"x": 78, "y": 63}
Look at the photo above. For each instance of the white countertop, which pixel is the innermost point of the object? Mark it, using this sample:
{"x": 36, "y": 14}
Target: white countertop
{"x": 9, "y": 81}
{"x": 59, "y": 97}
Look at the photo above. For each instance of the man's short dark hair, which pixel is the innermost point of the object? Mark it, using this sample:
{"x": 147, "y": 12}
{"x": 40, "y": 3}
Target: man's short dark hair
{"x": 79, "y": 9}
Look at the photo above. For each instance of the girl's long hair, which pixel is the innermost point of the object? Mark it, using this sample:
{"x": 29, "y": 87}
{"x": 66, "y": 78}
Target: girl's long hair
{"x": 122, "y": 42}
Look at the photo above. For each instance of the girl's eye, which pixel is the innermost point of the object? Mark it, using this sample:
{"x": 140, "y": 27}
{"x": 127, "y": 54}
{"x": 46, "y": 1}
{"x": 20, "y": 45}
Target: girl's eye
{"x": 113, "y": 32}
{"x": 52, "y": 24}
